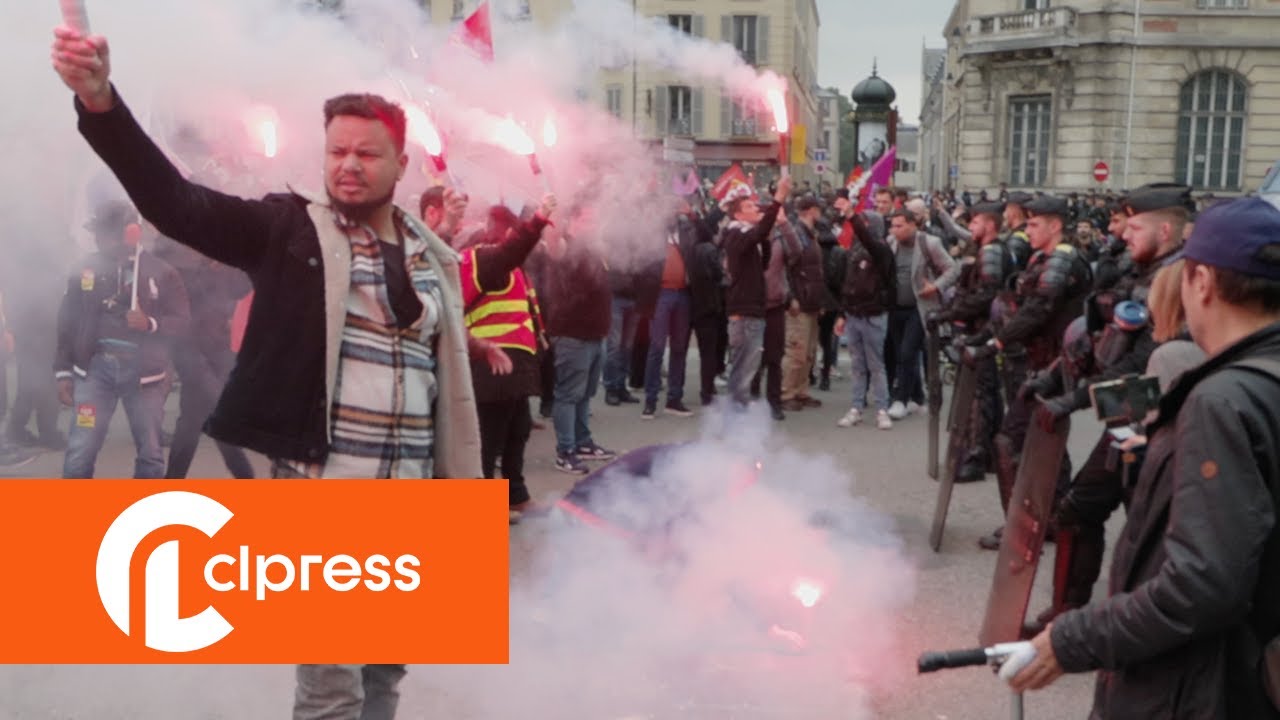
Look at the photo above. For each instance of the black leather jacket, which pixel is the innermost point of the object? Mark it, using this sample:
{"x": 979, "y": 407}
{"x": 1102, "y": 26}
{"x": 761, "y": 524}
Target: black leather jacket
{"x": 97, "y": 298}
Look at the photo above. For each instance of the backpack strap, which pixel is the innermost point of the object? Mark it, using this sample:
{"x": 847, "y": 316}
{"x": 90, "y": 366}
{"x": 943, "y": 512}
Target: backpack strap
{"x": 1262, "y": 365}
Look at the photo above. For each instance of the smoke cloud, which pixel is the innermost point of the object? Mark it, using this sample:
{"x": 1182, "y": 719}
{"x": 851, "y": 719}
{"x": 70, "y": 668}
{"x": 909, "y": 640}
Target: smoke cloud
{"x": 779, "y": 598}
{"x": 714, "y": 622}
{"x": 204, "y": 77}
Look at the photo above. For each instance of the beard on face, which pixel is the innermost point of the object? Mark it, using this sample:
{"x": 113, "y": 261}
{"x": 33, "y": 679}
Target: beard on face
{"x": 361, "y": 211}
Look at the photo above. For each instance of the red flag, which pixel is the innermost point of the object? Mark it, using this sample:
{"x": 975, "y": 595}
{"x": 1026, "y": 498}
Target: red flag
{"x": 476, "y": 33}
{"x": 732, "y": 183}
{"x": 853, "y": 176}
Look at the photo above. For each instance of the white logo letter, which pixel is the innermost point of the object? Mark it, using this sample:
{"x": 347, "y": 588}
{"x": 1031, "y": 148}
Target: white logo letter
{"x": 165, "y": 631}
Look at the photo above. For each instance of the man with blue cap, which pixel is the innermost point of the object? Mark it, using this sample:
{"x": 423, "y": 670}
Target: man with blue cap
{"x": 1155, "y": 216}
{"x": 1191, "y": 627}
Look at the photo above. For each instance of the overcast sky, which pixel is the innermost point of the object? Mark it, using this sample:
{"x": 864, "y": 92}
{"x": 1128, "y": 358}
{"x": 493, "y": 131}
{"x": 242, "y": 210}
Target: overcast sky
{"x": 856, "y": 32}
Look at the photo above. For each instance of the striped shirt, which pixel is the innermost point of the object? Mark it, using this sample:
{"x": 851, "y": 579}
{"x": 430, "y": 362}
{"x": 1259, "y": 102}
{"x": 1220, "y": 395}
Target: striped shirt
{"x": 382, "y": 415}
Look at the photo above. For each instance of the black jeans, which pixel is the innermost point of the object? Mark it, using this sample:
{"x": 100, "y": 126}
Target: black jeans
{"x": 202, "y": 374}
{"x": 988, "y": 412}
{"x": 828, "y": 341}
{"x": 906, "y": 337}
{"x": 640, "y": 350}
{"x": 504, "y": 432}
{"x": 710, "y": 355}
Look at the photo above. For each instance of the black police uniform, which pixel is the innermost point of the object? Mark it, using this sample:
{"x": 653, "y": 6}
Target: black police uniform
{"x": 1113, "y": 257}
{"x": 1016, "y": 238}
{"x": 1096, "y": 491}
{"x": 985, "y": 276}
{"x": 1049, "y": 294}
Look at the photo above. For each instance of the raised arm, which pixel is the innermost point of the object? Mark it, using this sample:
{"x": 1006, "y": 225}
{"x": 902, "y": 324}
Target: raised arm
{"x": 228, "y": 229}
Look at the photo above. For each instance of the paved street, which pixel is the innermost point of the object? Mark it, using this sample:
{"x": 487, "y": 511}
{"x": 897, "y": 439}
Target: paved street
{"x": 888, "y": 474}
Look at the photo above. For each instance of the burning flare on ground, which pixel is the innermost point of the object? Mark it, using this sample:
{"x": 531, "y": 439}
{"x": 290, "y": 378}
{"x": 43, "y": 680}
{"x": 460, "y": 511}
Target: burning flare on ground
{"x": 807, "y": 592}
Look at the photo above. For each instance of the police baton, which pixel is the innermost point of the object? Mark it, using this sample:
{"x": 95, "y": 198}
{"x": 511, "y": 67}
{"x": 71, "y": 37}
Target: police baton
{"x": 1020, "y": 653}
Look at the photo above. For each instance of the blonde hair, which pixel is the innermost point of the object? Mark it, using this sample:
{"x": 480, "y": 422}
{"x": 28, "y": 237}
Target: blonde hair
{"x": 1165, "y": 301}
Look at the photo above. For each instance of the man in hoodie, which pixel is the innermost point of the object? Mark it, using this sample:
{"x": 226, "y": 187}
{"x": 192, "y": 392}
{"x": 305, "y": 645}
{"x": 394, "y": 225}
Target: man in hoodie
{"x": 746, "y": 240}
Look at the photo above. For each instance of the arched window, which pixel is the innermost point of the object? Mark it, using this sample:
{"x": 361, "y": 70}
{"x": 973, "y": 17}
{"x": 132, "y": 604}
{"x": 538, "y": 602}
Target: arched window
{"x": 1211, "y": 112}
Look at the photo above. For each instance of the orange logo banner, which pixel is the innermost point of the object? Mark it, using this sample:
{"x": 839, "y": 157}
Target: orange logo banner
{"x": 254, "y": 571}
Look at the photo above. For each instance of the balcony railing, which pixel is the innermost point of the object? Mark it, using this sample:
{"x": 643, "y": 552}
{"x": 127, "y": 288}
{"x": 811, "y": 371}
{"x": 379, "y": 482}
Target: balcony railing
{"x": 681, "y": 125}
{"x": 1028, "y": 23}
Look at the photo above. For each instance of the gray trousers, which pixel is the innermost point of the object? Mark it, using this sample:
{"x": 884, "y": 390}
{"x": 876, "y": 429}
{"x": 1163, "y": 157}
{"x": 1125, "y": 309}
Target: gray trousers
{"x": 347, "y": 692}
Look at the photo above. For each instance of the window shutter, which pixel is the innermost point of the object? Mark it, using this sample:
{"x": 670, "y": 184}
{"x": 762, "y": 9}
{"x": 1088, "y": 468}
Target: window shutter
{"x": 696, "y": 115}
{"x": 697, "y": 26}
{"x": 726, "y": 28}
{"x": 660, "y": 115}
{"x": 762, "y": 39}
{"x": 726, "y": 115}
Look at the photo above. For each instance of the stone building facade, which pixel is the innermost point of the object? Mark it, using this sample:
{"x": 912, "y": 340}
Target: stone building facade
{"x": 778, "y": 35}
{"x": 1038, "y": 95}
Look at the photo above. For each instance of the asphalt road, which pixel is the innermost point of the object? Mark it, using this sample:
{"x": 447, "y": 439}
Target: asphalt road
{"x": 887, "y": 474}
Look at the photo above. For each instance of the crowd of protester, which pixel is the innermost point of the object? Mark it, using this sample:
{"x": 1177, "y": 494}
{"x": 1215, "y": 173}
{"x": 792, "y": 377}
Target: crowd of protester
{"x": 387, "y": 343}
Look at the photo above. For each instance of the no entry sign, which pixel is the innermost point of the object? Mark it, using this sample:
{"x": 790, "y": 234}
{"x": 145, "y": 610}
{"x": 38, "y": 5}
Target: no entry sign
{"x": 1101, "y": 172}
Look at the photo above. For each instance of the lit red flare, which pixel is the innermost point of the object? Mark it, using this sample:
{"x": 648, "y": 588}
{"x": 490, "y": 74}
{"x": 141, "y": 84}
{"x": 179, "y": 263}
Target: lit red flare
{"x": 549, "y": 133}
{"x": 509, "y": 135}
{"x": 422, "y": 131}
{"x": 264, "y": 125}
{"x": 777, "y": 99}
{"x": 74, "y": 15}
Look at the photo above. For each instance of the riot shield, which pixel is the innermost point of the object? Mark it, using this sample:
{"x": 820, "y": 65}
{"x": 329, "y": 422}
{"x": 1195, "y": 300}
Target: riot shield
{"x": 1030, "y": 509}
{"x": 933, "y": 369}
{"x": 959, "y": 424}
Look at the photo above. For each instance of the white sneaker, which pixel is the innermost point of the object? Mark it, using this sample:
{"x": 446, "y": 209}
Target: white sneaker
{"x": 851, "y": 418}
{"x": 883, "y": 420}
{"x": 914, "y": 407}
{"x": 897, "y": 411}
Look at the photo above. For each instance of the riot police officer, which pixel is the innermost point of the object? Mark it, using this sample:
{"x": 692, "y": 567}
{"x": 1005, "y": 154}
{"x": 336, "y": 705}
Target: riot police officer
{"x": 1048, "y": 295}
{"x": 1156, "y": 217}
{"x": 985, "y": 275}
{"x": 1015, "y": 219}
{"x": 1113, "y": 260}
